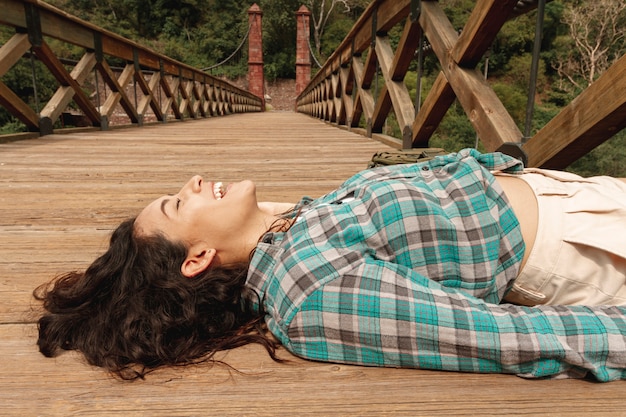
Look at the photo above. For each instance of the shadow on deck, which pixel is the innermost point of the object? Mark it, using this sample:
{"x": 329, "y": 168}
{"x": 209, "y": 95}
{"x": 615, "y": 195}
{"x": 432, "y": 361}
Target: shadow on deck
{"x": 62, "y": 195}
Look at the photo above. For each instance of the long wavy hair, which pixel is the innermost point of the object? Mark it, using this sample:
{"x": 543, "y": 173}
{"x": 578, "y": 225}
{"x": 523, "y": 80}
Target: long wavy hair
{"x": 132, "y": 311}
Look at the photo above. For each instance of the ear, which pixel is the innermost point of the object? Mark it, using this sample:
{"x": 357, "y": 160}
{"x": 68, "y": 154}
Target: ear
{"x": 198, "y": 260}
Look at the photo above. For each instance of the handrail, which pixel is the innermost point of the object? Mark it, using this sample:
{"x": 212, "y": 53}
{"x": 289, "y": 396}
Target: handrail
{"x": 346, "y": 89}
{"x": 150, "y": 83}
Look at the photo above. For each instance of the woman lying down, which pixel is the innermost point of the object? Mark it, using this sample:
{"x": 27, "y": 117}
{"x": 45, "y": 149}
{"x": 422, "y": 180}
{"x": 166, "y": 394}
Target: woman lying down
{"x": 466, "y": 263}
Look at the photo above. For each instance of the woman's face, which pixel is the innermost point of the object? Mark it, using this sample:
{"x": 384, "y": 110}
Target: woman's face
{"x": 199, "y": 213}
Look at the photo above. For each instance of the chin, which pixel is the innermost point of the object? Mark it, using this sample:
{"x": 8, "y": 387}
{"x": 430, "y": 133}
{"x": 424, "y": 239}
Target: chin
{"x": 247, "y": 187}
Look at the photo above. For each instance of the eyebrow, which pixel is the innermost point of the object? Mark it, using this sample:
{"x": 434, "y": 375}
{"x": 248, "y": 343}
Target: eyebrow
{"x": 163, "y": 203}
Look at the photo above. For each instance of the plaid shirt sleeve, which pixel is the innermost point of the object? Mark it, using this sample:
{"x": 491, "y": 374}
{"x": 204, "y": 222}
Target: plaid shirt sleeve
{"x": 405, "y": 266}
{"x": 374, "y": 315}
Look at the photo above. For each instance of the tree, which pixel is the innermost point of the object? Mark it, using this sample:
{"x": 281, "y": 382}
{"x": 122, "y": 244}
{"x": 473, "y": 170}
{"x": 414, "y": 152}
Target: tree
{"x": 321, "y": 12}
{"x": 597, "y": 31}
{"x": 279, "y": 38}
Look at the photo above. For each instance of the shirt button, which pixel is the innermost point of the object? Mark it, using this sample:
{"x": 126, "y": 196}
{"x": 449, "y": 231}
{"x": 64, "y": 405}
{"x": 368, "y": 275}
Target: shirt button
{"x": 426, "y": 172}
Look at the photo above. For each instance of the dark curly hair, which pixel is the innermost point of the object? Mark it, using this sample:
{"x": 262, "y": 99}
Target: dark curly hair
{"x": 132, "y": 311}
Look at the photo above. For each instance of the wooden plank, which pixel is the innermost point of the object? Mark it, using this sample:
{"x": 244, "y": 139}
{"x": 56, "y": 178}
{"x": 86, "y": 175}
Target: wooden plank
{"x": 349, "y": 78}
{"x": 405, "y": 52}
{"x": 117, "y": 86}
{"x": 365, "y": 100}
{"x": 594, "y": 116}
{"x": 337, "y": 90}
{"x": 12, "y": 51}
{"x": 148, "y": 89}
{"x": 170, "y": 86}
{"x": 325, "y": 107}
{"x": 382, "y": 107}
{"x": 369, "y": 69}
{"x": 266, "y": 389}
{"x": 346, "y": 78}
{"x": 394, "y": 84}
{"x": 64, "y": 94}
{"x": 168, "y": 102}
{"x": 206, "y": 100}
{"x": 195, "y": 100}
{"x": 13, "y": 14}
{"x": 214, "y": 101}
{"x": 321, "y": 105}
{"x": 184, "y": 88}
{"x": 300, "y": 388}
{"x": 489, "y": 117}
{"x": 199, "y": 99}
{"x": 388, "y": 14}
{"x": 60, "y": 25}
{"x": 61, "y": 196}
{"x": 47, "y": 56}
{"x": 458, "y": 56}
{"x": 330, "y": 99}
{"x": 10, "y": 101}
{"x": 437, "y": 102}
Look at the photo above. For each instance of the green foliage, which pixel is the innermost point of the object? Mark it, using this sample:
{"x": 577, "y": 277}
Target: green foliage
{"x": 518, "y": 72}
{"x": 335, "y": 34}
{"x": 279, "y": 38}
{"x": 10, "y": 124}
{"x": 516, "y": 38}
{"x": 542, "y": 114}
{"x": 280, "y": 66}
{"x": 458, "y": 11}
{"x": 607, "y": 159}
{"x": 514, "y": 100}
{"x": 455, "y": 131}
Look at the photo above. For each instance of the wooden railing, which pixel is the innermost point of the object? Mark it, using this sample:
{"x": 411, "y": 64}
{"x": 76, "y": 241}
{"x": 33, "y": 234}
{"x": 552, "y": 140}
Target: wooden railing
{"x": 345, "y": 91}
{"x": 148, "y": 85}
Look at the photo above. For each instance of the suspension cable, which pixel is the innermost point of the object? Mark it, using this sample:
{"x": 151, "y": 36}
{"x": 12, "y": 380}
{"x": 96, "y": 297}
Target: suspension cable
{"x": 308, "y": 41}
{"x": 231, "y": 55}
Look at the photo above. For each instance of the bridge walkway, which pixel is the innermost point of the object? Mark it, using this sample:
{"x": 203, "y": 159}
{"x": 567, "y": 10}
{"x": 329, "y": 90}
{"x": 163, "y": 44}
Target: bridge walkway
{"x": 61, "y": 195}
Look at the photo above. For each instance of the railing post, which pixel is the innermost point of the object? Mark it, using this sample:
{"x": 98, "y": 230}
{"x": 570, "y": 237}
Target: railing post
{"x": 256, "y": 82}
{"x": 303, "y": 54}
{"x": 97, "y": 43}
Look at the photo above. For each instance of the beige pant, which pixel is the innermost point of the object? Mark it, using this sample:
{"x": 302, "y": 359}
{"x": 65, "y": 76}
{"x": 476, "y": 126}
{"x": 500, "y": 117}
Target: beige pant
{"x": 579, "y": 255}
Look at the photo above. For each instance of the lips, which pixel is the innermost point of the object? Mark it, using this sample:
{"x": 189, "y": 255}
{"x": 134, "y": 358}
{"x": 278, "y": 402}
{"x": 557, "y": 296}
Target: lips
{"x": 218, "y": 190}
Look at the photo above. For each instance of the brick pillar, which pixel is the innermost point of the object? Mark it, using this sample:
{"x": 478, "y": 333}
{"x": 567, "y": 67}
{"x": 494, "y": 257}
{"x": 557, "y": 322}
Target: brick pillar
{"x": 303, "y": 54}
{"x": 256, "y": 82}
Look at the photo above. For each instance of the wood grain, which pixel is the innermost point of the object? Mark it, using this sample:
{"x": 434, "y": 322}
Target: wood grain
{"x": 60, "y": 197}
{"x": 597, "y": 114}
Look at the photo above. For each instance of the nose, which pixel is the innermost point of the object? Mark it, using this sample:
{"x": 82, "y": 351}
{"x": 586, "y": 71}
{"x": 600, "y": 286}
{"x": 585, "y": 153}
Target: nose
{"x": 194, "y": 185}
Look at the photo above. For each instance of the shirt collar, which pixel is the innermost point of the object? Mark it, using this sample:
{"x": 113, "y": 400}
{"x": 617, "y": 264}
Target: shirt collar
{"x": 263, "y": 262}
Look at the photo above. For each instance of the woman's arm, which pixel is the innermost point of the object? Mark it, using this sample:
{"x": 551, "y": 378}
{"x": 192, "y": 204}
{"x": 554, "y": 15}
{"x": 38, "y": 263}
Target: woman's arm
{"x": 386, "y": 315}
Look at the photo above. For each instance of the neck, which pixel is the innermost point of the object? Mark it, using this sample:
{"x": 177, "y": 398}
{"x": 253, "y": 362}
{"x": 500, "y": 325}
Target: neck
{"x": 274, "y": 208}
{"x": 268, "y": 220}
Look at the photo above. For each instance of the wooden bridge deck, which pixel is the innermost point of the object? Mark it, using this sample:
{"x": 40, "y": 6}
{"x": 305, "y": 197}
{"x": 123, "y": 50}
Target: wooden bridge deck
{"x": 61, "y": 195}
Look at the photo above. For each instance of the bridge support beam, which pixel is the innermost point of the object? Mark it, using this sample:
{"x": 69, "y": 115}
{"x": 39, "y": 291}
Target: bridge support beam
{"x": 303, "y": 54}
{"x": 256, "y": 81}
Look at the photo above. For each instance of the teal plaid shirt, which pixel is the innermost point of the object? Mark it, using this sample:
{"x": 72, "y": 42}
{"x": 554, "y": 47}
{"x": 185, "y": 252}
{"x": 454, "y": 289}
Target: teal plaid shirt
{"x": 405, "y": 266}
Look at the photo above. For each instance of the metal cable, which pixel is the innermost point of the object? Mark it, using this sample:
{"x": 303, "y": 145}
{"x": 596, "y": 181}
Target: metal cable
{"x": 245, "y": 38}
{"x": 308, "y": 41}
